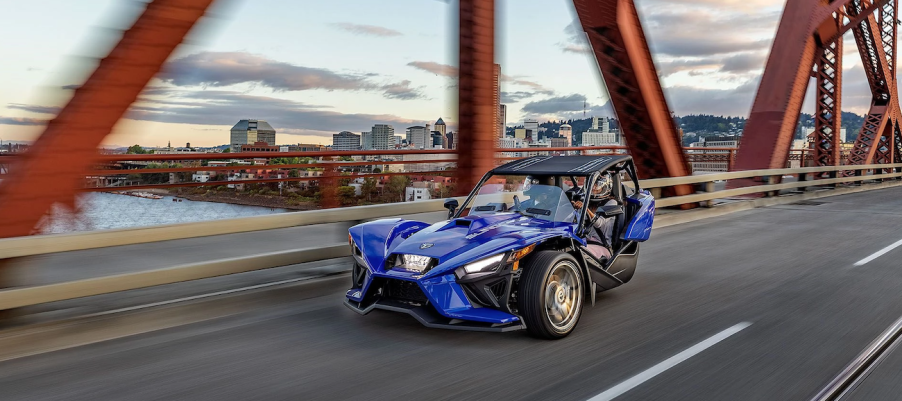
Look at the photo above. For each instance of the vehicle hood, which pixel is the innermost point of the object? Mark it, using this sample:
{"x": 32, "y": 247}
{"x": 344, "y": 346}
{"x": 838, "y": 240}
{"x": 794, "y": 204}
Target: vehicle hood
{"x": 469, "y": 238}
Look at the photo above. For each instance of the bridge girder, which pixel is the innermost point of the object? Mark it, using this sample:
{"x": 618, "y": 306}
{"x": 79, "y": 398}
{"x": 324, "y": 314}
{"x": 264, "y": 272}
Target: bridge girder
{"x": 816, "y": 47}
{"x": 618, "y": 42}
{"x": 72, "y": 138}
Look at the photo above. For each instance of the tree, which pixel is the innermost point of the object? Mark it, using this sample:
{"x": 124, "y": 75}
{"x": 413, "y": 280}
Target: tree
{"x": 347, "y": 195}
{"x": 345, "y": 158}
{"x": 368, "y": 188}
{"x": 135, "y": 150}
{"x": 377, "y": 170}
{"x": 227, "y": 150}
{"x": 394, "y": 189}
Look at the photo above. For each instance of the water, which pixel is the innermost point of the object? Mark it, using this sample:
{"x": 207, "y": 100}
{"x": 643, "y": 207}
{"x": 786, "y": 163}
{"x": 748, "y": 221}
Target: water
{"x": 101, "y": 211}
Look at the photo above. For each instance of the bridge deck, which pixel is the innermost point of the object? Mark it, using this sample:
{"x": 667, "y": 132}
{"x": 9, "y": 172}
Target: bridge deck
{"x": 788, "y": 274}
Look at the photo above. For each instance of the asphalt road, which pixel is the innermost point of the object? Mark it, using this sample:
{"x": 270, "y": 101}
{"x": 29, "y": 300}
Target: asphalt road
{"x": 782, "y": 278}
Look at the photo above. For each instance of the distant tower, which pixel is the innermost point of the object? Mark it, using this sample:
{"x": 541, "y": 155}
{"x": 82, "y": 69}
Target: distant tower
{"x": 567, "y": 132}
{"x": 440, "y": 127}
{"x": 496, "y": 103}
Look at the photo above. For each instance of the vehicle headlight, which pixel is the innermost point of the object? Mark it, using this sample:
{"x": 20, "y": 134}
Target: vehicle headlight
{"x": 486, "y": 265}
{"x": 413, "y": 262}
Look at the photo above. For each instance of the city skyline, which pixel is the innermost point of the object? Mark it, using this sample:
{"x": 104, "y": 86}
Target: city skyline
{"x": 311, "y": 89}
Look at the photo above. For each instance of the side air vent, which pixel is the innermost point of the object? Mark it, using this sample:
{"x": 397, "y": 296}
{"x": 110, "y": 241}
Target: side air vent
{"x": 462, "y": 223}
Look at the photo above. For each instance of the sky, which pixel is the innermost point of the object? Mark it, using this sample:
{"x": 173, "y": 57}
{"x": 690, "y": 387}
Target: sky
{"x": 313, "y": 68}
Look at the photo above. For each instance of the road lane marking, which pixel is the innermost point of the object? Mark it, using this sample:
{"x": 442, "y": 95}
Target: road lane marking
{"x": 653, "y": 371}
{"x": 879, "y": 253}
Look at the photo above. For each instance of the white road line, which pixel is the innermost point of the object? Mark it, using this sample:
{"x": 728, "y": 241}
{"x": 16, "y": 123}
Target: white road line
{"x": 653, "y": 371}
{"x": 879, "y": 253}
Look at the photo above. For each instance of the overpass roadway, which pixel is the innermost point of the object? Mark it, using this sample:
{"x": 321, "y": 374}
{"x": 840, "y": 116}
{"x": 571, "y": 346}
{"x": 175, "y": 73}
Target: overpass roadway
{"x": 781, "y": 282}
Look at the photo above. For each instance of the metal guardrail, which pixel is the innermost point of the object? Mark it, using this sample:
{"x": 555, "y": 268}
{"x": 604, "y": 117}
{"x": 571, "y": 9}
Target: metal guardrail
{"x": 43, "y": 244}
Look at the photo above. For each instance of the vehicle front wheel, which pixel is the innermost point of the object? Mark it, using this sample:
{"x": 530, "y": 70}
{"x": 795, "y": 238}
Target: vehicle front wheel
{"x": 550, "y": 298}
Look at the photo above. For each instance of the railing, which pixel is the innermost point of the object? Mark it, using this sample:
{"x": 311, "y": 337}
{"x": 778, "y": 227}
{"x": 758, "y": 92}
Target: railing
{"x": 44, "y": 244}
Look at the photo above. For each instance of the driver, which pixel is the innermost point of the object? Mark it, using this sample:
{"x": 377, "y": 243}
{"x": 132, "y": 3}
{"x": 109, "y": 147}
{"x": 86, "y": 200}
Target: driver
{"x": 599, "y": 238}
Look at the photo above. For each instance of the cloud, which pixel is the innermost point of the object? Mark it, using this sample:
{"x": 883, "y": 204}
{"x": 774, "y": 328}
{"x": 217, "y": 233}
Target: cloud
{"x": 21, "y": 121}
{"x": 743, "y": 62}
{"x": 219, "y": 107}
{"x": 513, "y": 97}
{"x": 554, "y": 105}
{"x": 34, "y": 108}
{"x": 402, "y": 91}
{"x": 370, "y": 30}
{"x": 435, "y": 68}
{"x": 219, "y": 69}
{"x": 684, "y": 100}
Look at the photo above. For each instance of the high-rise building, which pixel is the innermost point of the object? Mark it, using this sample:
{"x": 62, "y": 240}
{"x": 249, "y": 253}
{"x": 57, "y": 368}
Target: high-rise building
{"x": 440, "y": 127}
{"x": 248, "y": 132}
{"x": 366, "y": 140}
{"x": 437, "y": 140}
{"x": 449, "y": 141}
{"x": 419, "y": 137}
{"x": 455, "y": 140}
{"x": 566, "y": 132}
{"x": 520, "y": 133}
{"x": 496, "y": 102}
{"x": 532, "y": 130}
{"x": 382, "y": 136}
{"x": 502, "y": 122}
{"x": 396, "y": 141}
{"x": 345, "y": 140}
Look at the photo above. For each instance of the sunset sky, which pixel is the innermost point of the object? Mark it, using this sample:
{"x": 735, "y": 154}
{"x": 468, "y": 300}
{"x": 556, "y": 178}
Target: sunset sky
{"x": 313, "y": 68}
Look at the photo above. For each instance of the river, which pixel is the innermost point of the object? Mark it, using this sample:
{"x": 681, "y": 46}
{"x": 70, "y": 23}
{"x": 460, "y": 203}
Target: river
{"x": 101, "y": 211}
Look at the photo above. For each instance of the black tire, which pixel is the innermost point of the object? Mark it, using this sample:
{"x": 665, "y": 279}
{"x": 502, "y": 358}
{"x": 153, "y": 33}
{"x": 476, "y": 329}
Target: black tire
{"x": 545, "y": 293}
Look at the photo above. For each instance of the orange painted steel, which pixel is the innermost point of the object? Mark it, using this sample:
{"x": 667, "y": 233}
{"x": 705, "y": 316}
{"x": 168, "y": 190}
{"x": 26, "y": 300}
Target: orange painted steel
{"x": 621, "y": 51}
{"x": 809, "y": 36}
{"x": 828, "y": 101}
{"x": 476, "y": 113}
{"x": 72, "y": 138}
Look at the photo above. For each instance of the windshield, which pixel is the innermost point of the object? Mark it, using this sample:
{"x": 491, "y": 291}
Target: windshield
{"x": 523, "y": 195}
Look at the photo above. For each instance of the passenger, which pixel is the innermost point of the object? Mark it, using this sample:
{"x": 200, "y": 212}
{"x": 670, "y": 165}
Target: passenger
{"x": 599, "y": 238}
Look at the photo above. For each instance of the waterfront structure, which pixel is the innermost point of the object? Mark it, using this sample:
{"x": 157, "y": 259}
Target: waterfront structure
{"x": 382, "y": 136}
{"x": 247, "y": 132}
{"x": 345, "y": 141}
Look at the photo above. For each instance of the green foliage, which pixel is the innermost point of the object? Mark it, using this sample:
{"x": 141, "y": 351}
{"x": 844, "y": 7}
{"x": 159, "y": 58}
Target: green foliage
{"x": 346, "y": 195}
{"x": 227, "y": 150}
{"x": 135, "y": 150}
{"x": 369, "y": 188}
{"x": 393, "y": 191}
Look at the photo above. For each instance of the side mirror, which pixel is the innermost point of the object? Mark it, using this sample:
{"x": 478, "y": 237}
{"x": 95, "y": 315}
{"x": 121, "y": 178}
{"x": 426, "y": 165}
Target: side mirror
{"x": 451, "y": 205}
{"x": 609, "y": 211}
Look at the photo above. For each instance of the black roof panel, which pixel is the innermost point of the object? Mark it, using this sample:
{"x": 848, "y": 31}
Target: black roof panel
{"x": 560, "y": 165}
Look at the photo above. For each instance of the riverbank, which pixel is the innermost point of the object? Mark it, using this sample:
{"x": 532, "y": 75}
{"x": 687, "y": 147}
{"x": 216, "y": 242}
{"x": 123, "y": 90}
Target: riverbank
{"x": 237, "y": 198}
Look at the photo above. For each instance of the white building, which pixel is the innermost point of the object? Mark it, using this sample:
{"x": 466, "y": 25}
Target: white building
{"x": 345, "y": 141}
{"x": 419, "y": 137}
{"x": 513, "y": 143}
{"x": 202, "y": 176}
{"x": 421, "y": 167}
{"x": 712, "y": 166}
{"x": 532, "y": 129}
{"x": 412, "y": 194}
{"x": 366, "y": 140}
{"x": 248, "y": 132}
{"x": 382, "y": 136}
{"x": 600, "y": 139}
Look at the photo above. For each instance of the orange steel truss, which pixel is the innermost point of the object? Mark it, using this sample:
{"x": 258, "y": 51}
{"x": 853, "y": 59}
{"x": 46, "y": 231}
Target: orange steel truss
{"x": 71, "y": 139}
{"x": 809, "y": 43}
{"x": 621, "y": 51}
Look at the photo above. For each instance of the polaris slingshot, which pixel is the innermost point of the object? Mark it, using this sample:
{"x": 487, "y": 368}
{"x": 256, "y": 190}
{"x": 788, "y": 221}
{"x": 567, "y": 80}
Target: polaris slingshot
{"x": 518, "y": 253}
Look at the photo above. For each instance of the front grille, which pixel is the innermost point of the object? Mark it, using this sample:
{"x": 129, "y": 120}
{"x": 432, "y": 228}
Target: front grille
{"x": 405, "y": 290}
{"x": 498, "y": 288}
